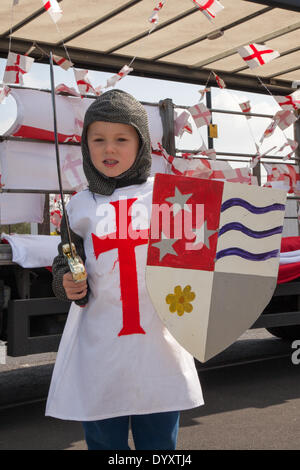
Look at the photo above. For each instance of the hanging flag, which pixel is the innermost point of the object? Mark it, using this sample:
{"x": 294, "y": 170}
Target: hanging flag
{"x": 219, "y": 81}
{"x": 203, "y": 92}
{"x": 209, "y": 7}
{"x": 83, "y": 83}
{"x": 211, "y": 153}
{"x": 285, "y": 119}
{"x": 182, "y": 122}
{"x": 16, "y": 66}
{"x": 62, "y": 62}
{"x": 293, "y": 144}
{"x": 121, "y": 74}
{"x": 269, "y": 130}
{"x": 4, "y": 92}
{"x": 53, "y": 8}
{"x": 62, "y": 88}
{"x": 283, "y": 176}
{"x": 246, "y": 108}
{"x": 258, "y": 156}
{"x": 289, "y": 102}
{"x": 201, "y": 114}
{"x": 257, "y": 54}
{"x": 153, "y": 18}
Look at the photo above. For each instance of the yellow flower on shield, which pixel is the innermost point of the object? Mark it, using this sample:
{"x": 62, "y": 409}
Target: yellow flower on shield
{"x": 180, "y": 300}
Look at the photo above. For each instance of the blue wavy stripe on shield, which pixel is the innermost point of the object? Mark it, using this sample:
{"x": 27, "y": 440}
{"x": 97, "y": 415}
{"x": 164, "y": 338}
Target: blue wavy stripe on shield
{"x": 236, "y": 201}
{"x": 249, "y": 232}
{"x": 234, "y": 251}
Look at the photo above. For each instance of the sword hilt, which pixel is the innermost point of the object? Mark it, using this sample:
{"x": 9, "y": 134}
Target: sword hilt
{"x": 75, "y": 263}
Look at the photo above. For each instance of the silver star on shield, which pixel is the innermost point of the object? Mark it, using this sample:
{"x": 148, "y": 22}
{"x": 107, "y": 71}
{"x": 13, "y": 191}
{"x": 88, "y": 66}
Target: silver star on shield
{"x": 165, "y": 246}
{"x": 203, "y": 237}
{"x": 179, "y": 201}
{"x": 207, "y": 234}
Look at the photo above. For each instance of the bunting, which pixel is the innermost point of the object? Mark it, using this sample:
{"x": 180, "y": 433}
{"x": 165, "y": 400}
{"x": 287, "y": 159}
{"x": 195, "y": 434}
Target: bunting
{"x": 289, "y": 102}
{"x": 16, "y": 66}
{"x": 246, "y": 108}
{"x": 153, "y": 18}
{"x": 83, "y": 83}
{"x": 256, "y": 55}
{"x": 201, "y": 114}
{"x": 209, "y": 7}
{"x": 121, "y": 74}
{"x": 62, "y": 62}
{"x": 53, "y": 8}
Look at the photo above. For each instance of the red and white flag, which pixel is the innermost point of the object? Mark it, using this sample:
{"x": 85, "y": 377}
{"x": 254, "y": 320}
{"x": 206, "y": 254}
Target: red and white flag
{"x": 53, "y": 8}
{"x": 16, "y": 66}
{"x": 153, "y": 18}
{"x": 182, "y": 123}
{"x": 285, "y": 118}
{"x": 293, "y": 144}
{"x": 121, "y": 74}
{"x": 201, "y": 114}
{"x": 219, "y": 81}
{"x": 83, "y": 83}
{"x": 269, "y": 130}
{"x": 289, "y": 102}
{"x": 4, "y": 92}
{"x": 246, "y": 108}
{"x": 209, "y": 7}
{"x": 257, "y": 54}
{"x": 283, "y": 176}
{"x": 203, "y": 92}
{"x": 62, "y": 88}
{"x": 62, "y": 62}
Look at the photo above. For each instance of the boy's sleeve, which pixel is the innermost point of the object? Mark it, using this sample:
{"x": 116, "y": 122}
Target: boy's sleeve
{"x": 60, "y": 264}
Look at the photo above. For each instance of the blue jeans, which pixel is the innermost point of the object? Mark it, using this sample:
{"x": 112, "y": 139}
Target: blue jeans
{"x": 157, "y": 431}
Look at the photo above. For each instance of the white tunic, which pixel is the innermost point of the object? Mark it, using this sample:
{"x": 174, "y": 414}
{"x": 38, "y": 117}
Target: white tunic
{"x": 99, "y": 372}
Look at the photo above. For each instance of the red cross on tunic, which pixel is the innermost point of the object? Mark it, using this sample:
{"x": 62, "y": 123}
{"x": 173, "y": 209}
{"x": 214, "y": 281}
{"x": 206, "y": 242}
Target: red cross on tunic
{"x": 16, "y": 68}
{"x": 127, "y": 261}
{"x": 257, "y": 54}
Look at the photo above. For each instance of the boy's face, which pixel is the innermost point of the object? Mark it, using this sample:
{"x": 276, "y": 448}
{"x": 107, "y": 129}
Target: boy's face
{"x": 113, "y": 147}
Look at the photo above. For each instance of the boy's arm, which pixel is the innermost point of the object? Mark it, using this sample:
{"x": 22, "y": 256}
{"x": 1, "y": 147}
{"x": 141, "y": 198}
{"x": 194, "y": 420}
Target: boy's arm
{"x": 60, "y": 264}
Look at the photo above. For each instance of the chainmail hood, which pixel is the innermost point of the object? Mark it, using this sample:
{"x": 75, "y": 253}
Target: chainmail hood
{"x": 117, "y": 106}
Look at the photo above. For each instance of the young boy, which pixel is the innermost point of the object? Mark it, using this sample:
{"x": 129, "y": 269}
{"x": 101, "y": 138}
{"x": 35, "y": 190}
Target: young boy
{"x": 116, "y": 361}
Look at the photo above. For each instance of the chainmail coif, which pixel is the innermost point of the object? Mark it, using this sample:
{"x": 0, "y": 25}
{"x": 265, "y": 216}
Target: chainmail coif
{"x": 120, "y": 107}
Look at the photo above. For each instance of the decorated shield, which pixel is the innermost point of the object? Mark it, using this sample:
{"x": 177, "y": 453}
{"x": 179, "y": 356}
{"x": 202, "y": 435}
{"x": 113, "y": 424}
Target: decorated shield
{"x": 213, "y": 258}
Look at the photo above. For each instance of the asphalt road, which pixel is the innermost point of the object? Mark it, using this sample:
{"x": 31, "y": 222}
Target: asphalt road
{"x": 248, "y": 405}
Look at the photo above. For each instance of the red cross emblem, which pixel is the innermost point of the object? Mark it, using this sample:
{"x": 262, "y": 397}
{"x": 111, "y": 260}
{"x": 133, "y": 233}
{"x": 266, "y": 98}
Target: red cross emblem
{"x": 127, "y": 261}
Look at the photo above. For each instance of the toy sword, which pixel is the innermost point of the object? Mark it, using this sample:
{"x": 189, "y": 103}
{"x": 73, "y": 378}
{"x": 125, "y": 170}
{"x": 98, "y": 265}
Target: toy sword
{"x": 74, "y": 261}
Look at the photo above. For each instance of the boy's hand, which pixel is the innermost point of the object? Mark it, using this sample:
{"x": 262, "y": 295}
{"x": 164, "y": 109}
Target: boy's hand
{"x": 74, "y": 290}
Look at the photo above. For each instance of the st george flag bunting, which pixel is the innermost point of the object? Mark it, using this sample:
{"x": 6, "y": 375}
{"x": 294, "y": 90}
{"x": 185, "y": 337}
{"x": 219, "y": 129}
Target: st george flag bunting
{"x": 289, "y": 102}
{"x": 153, "y": 18}
{"x": 53, "y": 8}
{"x": 83, "y": 83}
{"x": 62, "y": 62}
{"x": 285, "y": 119}
{"x": 16, "y": 66}
{"x": 257, "y": 54}
{"x": 121, "y": 74}
{"x": 246, "y": 108}
{"x": 201, "y": 114}
{"x": 209, "y": 7}
{"x": 211, "y": 269}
